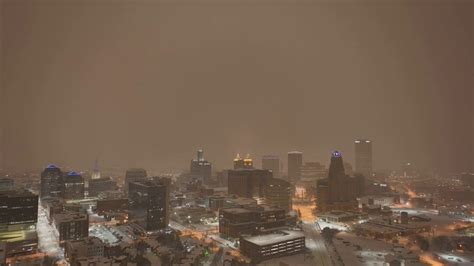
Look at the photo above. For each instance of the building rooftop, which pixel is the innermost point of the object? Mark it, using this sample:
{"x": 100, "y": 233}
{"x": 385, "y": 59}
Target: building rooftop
{"x": 69, "y": 217}
{"x": 236, "y": 210}
{"x": 284, "y": 235}
{"x": 17, "y": 193}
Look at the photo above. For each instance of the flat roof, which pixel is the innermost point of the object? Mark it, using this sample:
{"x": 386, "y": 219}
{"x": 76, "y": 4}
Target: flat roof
{"x": 69, "y": 217}
{"x": 284, "y": 235}
{"x": 236, "y": 210}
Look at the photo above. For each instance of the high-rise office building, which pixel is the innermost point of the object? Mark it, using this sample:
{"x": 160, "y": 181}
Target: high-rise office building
{"x": 72, "y": 186}
{"x": 363, "y": 157}
{"x": 134, "y": 175}
{"x": 312, "y": 171}
{"x": 241, "y": 163}
{"x": 149, "y": 203}
{"x": 338, "y": 190}
{"x": 200, "y": 168}
{"x": 248, "y": 183}
{"x": 271, "y": 162}
{"x": 278, "y": 192}
{"x": 18, "y": 217}
{"x": 337, "y": 178}
{"x": 295, "y": 161}
{"x": 98, "y": 185}
{"x": 51, "y": 182}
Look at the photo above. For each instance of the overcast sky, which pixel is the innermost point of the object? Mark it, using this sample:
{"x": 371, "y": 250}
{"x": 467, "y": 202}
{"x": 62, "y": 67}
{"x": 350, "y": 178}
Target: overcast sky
{"x": 146, "y": 83}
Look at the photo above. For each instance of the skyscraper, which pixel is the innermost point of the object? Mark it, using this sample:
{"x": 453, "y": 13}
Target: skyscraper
{"x": 150, "y": 203}
{"x": 72, "y": 186}
{"x": 363, "y": 157}
{"x": 51, "y": 181}
{"x": 295, "y": 161}
{"x": 18, "y": 217}
{"x": 338, "y": 191}
{"x": 133, "y": 175}
{"x": 271, "y": 162}
{"x": 96, "y": 171}
{"x": 278, "y": 192}
{"x": 248, "y": 183}
{"x": 200, "y": 168}
{"x": 337, "y": 178}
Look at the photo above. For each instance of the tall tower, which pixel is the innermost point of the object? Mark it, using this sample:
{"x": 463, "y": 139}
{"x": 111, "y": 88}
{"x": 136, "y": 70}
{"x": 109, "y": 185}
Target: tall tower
{"x": 96, "y": 171}
{"x": 337, "y": 179}
{"x": 241, "y": 163}
{"x": 295, "y": 161}
{"x": 200, "y": 168}
{"x": 271, "y": 162}
{"x": 363, "y": 157}
{"x": 51, "y": 181}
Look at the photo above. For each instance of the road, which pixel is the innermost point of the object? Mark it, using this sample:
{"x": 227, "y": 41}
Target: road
{"x": 48, "y": 238}
{"x": 315, "y": 242}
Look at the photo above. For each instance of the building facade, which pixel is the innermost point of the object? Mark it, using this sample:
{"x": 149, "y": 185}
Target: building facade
{"x": 72, "y": 186}
{"x": 295, "y": 161}
{"x": 249, "y": 183}
{"x": 134, "y": 175}
{"x": 271, "y": 162}
{"x": 200, "y": 168}
{"x": 279, "y": 193}
{"x": 363, "y": 157}
{"x": 234, "y": 222}
{"x": 18, "y": 218}
{"x": 278, "y": 244}
{"x": 71, "y": 225}
{"x": 51, "y": 182}
{"x": 149, "y": 203}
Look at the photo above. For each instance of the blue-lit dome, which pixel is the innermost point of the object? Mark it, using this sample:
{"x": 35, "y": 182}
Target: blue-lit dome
{"x": 52, "y": 166}
{"x": 72, "y": 173}
{"x": 336, "y": 154}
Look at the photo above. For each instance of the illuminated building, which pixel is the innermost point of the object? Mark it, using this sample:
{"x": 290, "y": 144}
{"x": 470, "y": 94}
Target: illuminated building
{"x": 134, "y": 175}
{"x": 295, "y": 161}
{"x": 249, "y": 183}
{"x": 149, "y": 203}
{"x": 72, "y": 186}
{"x": 71, "y": 225}
{"x": 278, "y": 244}
{"x": 51, "y": 181}
{"x": 96, "y": 172}
{"x": 240, "y": 163}
{"x": 339, "y": 191}
{"x": 278, "y": 193}
{"x": 18, "y": 217}
{"x": 271, "y": 162}
{"x": 363, "y": 157}
{"x": 234, "y": 222}
{"x": 200, "y": 168}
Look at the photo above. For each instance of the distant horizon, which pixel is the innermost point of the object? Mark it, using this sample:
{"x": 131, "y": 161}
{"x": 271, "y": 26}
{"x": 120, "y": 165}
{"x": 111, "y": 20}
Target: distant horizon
{"x": 147, "y": 84}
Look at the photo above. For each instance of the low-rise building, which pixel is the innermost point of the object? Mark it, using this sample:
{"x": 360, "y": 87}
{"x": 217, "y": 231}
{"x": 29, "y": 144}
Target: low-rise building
{"x": 380, "y": 228}
{"x": 71, "y": 225}
{"x": 263, "y": 247}
{"x": 85, "y": 247}
{"x": 234, "y": 222}
{"x": 341, "y": 216}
